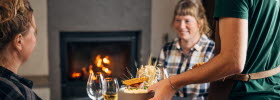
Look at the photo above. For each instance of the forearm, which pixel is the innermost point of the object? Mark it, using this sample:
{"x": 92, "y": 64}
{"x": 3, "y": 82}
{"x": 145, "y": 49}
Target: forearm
{"x": 217, "y": 68}
{"x": 229, "y": 61}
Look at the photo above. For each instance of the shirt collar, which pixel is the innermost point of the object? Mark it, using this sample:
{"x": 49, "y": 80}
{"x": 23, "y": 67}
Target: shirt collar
{"x": 198, "y": 46}
{"x": 5, "y": 72}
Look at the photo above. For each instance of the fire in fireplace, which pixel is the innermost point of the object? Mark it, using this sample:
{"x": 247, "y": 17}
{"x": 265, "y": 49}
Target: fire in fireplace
{"x": 100, "y": 62}
{"x": 82, "y": 53}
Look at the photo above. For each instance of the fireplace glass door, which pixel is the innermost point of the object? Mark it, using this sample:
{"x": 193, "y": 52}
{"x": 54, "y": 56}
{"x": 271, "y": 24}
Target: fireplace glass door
{"x": 112, "y": 53}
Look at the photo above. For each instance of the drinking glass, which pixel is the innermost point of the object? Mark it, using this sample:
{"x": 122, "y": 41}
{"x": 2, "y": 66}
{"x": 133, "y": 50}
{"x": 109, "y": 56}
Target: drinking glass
{"x": 94, "y": 86}
{"x": 110, "y": 89}
{"x": 162, "y": 74}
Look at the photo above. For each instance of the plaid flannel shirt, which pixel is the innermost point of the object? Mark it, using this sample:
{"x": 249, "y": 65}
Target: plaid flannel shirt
{"x": 14, "y": 87}
{"x": 176, "y": 62}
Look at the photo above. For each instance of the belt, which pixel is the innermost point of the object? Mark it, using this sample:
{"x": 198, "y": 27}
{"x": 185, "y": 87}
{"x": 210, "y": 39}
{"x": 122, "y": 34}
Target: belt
{"x": 252, "y": 76}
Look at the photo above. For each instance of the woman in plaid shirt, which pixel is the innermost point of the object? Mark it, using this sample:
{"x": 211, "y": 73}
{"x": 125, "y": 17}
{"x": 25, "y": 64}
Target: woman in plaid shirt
{"x": 191, "y": 47}
{"x": 17, "y": 42}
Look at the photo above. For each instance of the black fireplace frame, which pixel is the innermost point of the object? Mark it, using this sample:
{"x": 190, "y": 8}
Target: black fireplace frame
{"x": 68, "y": 37}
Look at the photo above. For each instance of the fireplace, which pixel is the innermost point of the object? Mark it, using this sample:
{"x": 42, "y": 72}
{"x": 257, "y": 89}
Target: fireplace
{"x": 112, "y": 53}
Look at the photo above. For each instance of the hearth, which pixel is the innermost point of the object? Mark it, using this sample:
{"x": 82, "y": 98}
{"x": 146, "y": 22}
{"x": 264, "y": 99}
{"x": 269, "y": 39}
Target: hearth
{"x": 112, "y": 53}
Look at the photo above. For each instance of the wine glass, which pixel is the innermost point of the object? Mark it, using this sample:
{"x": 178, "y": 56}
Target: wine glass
{"x": 110, "y": 89}
{"x": 161, "y": 73}
{"x": 94, "y": 86}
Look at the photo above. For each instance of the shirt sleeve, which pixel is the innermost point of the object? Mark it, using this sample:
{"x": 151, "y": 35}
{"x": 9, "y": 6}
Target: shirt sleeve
{"x": 231, "y": 8}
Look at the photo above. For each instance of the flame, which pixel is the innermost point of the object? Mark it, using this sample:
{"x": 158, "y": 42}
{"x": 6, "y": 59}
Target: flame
{"x": 102, "y": 63}
{"x": 93, "y": 77}
{"x": 98, "y": 61}
{"x": 76, "y": 75}
{"x": 90, "y": 69}
{"x": 106, "y": 70}
{"x": 106, "y": 60}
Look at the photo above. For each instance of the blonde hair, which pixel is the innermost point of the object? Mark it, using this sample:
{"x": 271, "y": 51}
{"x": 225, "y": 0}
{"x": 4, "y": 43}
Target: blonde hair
{"x": 193, "y": 8}
{"x": 15, "y": 18}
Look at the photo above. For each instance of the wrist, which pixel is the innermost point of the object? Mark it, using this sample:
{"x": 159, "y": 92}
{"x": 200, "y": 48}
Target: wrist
{"x": 171, "y": 85}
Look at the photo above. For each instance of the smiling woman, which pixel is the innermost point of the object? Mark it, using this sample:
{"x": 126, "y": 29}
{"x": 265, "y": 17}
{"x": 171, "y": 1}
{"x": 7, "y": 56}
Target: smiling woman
{"x": 190, "y": 47}
{"x": 187, "y": 28}
{"x": 17, "y": 41}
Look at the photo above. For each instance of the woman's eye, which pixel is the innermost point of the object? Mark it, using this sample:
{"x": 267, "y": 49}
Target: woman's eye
{"x": 177, "y": 20}
{"x": 187, "y": 21}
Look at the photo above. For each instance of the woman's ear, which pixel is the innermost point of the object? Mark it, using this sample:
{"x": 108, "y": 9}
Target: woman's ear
{"x": 201, "y": 23}
{"x": 18, "y": 42}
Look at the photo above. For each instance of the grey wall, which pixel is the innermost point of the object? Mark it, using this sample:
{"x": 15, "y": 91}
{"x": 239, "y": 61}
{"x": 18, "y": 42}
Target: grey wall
{"x": 162, "y": 13}
{"x": 95, "y": 15}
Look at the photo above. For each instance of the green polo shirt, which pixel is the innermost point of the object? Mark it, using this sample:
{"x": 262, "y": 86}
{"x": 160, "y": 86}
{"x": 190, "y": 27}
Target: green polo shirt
{"x": 263, "y": 45}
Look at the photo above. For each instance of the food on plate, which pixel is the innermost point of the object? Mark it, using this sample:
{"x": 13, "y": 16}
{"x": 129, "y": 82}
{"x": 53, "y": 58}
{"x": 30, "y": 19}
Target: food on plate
{"x": 135, "y": 81}
{"x": 135, "y": 85}
{"x": 146, "y": 76}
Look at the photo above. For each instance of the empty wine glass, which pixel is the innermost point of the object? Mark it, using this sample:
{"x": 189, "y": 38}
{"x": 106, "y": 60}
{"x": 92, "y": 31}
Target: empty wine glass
{"x": 94, "y": 86}
{"x": 110, "y": 89}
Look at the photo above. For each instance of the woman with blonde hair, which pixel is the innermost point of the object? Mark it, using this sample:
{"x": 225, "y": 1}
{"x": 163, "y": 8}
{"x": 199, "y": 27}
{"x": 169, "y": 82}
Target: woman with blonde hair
{"x": 191, "y": 46}
{"x": 17, "y": 41}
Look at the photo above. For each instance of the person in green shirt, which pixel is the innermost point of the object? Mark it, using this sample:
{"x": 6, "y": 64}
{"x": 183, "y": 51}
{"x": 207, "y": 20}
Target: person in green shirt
{"x": 249, "y": 32}
{"x": 262, "y": 20}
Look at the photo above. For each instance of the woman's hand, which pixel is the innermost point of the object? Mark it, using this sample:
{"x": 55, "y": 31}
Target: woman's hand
{"x": 163, "y": 90}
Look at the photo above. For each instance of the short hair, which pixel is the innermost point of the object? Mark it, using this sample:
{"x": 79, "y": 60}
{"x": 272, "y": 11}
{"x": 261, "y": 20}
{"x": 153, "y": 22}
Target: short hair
{"x": 193, "y": 8}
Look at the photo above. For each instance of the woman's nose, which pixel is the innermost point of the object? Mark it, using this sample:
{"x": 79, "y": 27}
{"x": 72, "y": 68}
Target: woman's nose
{"x": 182, "y": 24}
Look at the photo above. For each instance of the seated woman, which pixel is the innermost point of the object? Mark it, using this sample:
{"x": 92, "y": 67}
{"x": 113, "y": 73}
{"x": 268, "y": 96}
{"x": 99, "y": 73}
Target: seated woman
{"x": 191, "y": 47}
{"x": 17, "y": 41}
